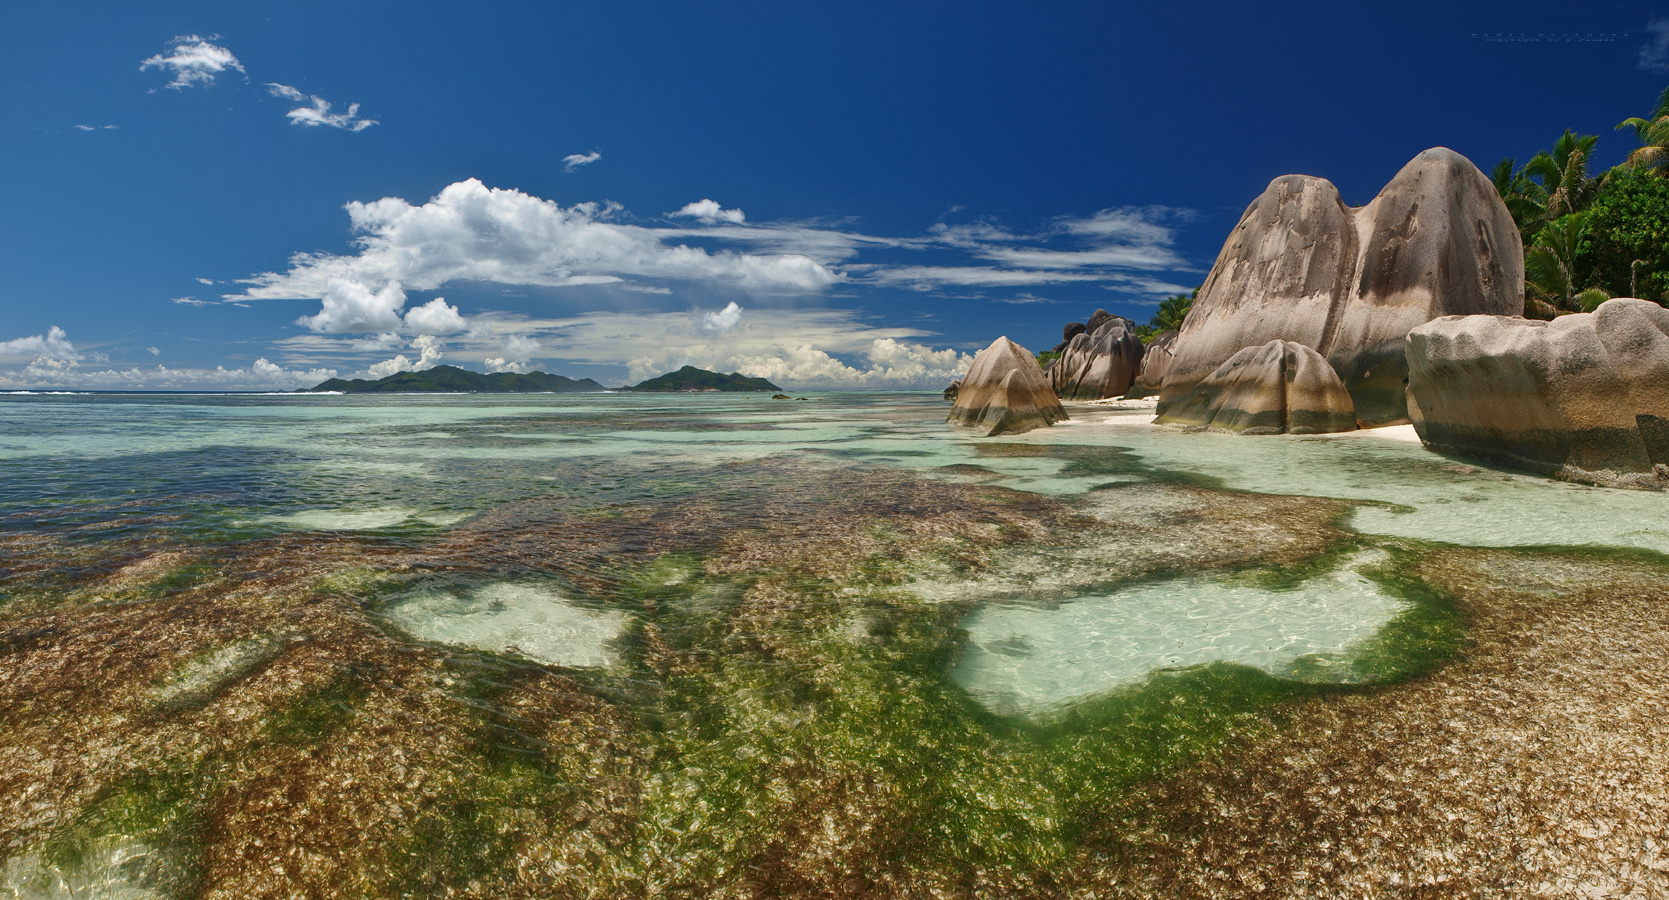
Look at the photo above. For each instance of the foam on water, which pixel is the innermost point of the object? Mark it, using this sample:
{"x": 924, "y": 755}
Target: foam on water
{"x": 534, "y": 621}
{"x": 1025, "y": 658}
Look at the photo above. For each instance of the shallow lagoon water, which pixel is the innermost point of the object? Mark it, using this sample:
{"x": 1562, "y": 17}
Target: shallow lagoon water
{"x": 1027, "y": 658}
{"x": 771, "y": 605}
{"x": 534, "y": 621}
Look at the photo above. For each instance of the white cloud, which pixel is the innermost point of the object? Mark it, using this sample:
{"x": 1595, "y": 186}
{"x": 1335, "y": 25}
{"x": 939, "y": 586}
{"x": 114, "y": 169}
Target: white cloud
{"x": 54, "y": 345}
{"x": 435, "y": 317}
{"x": 723, "y": 320}
{"x": 796, "y": 348}
{"x": 96, "y": 127}
{"x": 190, "y": 301}
{"x": 202, "y": 280}
{"x": 260, "y": 375}
{"x": 378, "y": 343}
{"x": 285, "y": 92}
{"x": 154, "y": 351}
{"x": 518, "y": 354}
{"x": 429, "y": 355}
{"x": 319, "y": 114}
{"x": 708, "y": 211}
{"x": 1654, "y": 56}
{"x": 574, "y": 160}
{"x": 351, "y": 306}
{"x": 193, "y": 60}
{"x": 470, "y": 232}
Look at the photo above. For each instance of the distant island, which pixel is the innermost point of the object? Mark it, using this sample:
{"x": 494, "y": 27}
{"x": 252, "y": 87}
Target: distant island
{"x": 691, "y": 378}
{"x": 451, "y": 379}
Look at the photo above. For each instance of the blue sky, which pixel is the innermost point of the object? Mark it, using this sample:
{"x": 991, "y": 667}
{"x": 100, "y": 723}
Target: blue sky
{"x": 256, "y": 195}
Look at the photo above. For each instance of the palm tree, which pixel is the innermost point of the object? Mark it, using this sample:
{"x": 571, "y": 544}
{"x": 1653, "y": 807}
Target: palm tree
{"x": 1525, "y": 199}
{"x": 1563, "y": 174}
{"x": 1653, "y": 152}
{"x": 1551, "y": 266}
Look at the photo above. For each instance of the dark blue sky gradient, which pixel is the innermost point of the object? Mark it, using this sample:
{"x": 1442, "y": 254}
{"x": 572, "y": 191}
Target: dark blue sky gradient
{"x": 887, "y": 117}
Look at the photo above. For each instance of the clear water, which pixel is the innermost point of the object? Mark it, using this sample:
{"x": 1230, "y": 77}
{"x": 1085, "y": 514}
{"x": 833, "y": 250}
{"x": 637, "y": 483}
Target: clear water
{"x": 526, "y": 619}
{"x": 756, "y": 606}
{"x": 1025, "y": 658}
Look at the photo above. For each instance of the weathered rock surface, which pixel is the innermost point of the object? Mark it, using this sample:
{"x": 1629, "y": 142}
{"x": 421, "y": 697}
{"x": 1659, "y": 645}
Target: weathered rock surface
{"x": 1100, "y": 362}
{"x": 1583, "y": 397}
{"x": 1279, "y": 388}
{"x": 1156, "y": 361}
{"x": 1349, "y": 283}
{"x": 1005, "y": 392}
{"x": 952, "y": 389}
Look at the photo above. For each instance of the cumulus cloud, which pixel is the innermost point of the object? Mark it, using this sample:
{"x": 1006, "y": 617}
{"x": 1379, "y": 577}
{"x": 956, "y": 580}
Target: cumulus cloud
{"x": 318, "y": 113}
{"x": 351, "y": 306}
{"x": 435, "y": 317}
{"x": 193, "y": 60}
{"x": 574, "y": 160}
{"x": 470, "y": 232}
{"x": 723, "y": 320}
{"x": 708, "y": 211}
{"x": 429, "y": 352}
{"x": 54, "y": 345}
{"x": 1654, "y": 56}
{"x": 517, "y": 355}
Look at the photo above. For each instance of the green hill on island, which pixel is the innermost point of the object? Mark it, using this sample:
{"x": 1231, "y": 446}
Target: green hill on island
{"x": 691, "y": 378}
{"x": 451, "y": 379}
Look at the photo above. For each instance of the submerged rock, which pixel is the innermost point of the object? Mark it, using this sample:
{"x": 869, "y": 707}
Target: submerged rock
{"x": 1156, "y": 361}
{"x": 1005, "y": 392}
{"x": 1581, "y": 397}
{"x": 1100, "y": 362}
{"x": 1279, "y": 388}
{"x": 1350, "y": 283}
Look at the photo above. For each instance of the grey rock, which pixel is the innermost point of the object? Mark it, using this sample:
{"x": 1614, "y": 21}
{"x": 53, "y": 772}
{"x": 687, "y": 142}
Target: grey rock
{"x": 1072, "y": 330}
{"x": 1005, "y": 392}
{"x": 1156, "y": 361}
{"x": 1096, "y": 320}
{"x": 1279, "y": 388}
{"x": 1350, "y": 283}
{"x": 1582, "y": 397}
{"x": 951, "y": 391}
{"x": 1099, "y": 363}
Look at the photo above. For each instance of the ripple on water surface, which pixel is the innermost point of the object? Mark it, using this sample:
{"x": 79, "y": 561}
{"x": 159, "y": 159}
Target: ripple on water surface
{"x": 1025, "y": 659}
{"x": 534, "y": 621}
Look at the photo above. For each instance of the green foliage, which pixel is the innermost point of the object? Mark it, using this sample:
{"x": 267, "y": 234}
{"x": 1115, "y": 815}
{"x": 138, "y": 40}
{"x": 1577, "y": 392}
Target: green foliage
{"x": 1047, "y": 357}
{"x": 1174, "y": 309}
{"x": 1552, "y": 185}
{"x": 1653, "y": 133}
{"x": 1628, "y": 235}
{"x": 1558, "y": 266}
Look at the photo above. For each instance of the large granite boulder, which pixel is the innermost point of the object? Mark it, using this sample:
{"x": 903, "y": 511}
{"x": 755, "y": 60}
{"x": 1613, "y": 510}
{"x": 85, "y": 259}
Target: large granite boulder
{"x": 1279, "y": 388}
{"x": 1100, "y": 362}
{"x": 1005, "y": 392}
{"x": 1156, "y": 361}
{"x": 1583, "y": 397}
{"x": 1349, "y": 283}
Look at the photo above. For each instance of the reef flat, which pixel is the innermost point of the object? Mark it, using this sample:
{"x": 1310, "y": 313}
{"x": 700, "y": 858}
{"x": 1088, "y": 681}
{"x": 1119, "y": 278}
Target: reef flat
{"x": 614, "y": 646}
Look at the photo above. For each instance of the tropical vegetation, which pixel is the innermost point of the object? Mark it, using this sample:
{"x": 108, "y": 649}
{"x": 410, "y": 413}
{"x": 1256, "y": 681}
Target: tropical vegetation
{"x": 1592, "y": 236}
